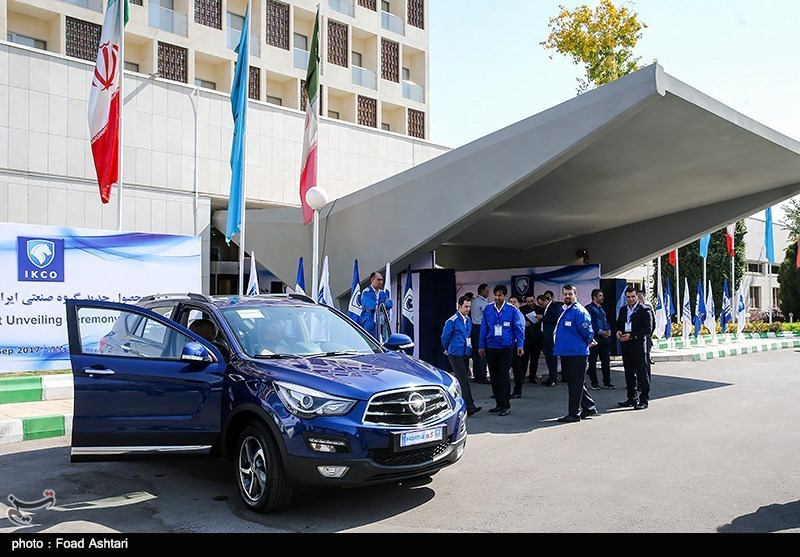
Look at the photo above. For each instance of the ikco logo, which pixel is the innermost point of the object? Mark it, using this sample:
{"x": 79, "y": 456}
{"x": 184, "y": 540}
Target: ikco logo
{"x": 40, "y": 260}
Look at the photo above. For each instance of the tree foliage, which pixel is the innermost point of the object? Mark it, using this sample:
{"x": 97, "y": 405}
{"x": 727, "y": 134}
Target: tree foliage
{"x": 718, "y": 267}
{"x": 789, "y": 280}
{"x": 791, "y": 222}
{"x": 601, "y": 40}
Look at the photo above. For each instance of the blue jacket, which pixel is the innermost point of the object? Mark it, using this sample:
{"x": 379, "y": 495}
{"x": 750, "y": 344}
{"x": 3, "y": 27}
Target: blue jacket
{"x": 455, "y": 335}
{"x": 574, "y": 332}
{"x": 512, "y": 324}
{"x": 599, "y": 318}
{"x": 370, "y": 300}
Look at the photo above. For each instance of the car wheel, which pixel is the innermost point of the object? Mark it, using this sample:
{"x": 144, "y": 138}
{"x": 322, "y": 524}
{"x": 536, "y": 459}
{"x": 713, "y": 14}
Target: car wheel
{"x": 262, "y": 482}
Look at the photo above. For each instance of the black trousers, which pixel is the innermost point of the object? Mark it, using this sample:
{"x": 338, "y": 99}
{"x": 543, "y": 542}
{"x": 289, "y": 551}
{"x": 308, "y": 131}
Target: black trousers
{"x": 460, "y": 365}
{"x": 533, "y": 348}
{"x": 498, "y": 360}
{"x": 636, "y": 374}
{"x": 519, "y": 366}
{"x": 573, "y": 369}
{"x": 478, "y": 363}
{"x": 552, "y": 361}
{"x": 603, "y": 351}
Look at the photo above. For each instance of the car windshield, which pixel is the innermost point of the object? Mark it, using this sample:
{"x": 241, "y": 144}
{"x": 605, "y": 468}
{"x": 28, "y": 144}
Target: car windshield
{"x": 294, "y": 331}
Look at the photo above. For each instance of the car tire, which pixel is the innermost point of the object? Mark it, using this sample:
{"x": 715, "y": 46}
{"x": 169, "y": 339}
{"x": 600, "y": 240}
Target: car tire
{"x": 263, "y": 485}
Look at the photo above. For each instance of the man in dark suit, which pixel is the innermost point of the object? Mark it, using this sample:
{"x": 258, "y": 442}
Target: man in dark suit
{"x": 552, "y": 312}
{"x": 633, "y": 330}
{"x": 533, "y": 311}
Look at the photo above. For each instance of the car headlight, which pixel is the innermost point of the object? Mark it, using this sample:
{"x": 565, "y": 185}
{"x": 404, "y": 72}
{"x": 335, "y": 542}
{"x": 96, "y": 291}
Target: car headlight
{"x": 454, "y": 388}
{"x": 308, "y": 403}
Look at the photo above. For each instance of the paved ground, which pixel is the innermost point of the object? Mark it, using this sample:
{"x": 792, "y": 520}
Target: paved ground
{"x": 717, "y": 451}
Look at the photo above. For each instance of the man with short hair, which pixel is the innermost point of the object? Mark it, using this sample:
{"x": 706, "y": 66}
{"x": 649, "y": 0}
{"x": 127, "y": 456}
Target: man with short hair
{"x": 633, "y": 329}
{"x": 573, "y": 337}
{"x": 552, "y": 311}
{"x": 519, "y": 362}
{"x": 640, "y": 294}
{"x": 502, "y": 334}
{"x": 371, "y": 299}
{"x": 533, "y": 311}
{"x": 602, "y": 348}
{"x": 458, "y": 347}
{"x": 479, "y": 303}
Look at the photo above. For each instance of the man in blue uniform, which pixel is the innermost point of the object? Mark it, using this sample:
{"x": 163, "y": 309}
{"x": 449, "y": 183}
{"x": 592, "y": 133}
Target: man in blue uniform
{"x": 457, "y": 343}
{"x": 573, "y": 337}
{"x": 371, "y": 299}
{"x": 602, "y": 336}
{"x": 502, "y": 335}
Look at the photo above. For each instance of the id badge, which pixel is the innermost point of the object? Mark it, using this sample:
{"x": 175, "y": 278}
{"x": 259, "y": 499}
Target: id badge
{"x": 469, "y": 342}
{"x": 628, "y": 327}
{"x": 498, "y": 330}
{"x": 568, "y": 323}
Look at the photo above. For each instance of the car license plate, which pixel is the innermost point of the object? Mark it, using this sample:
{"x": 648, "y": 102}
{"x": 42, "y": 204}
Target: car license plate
{"x": 421, "y": 437}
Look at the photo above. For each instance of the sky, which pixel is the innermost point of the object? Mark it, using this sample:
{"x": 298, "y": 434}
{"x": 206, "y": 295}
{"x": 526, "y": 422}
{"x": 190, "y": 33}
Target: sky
{"x": 488, "y": 69}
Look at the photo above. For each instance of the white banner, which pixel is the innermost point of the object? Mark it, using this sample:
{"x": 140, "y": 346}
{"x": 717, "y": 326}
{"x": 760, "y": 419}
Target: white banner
{"x": 42, "y": 266}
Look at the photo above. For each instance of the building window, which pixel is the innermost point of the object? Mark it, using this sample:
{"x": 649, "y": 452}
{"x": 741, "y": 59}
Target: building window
{"x": 754, "y": 268}
{"x": 390, "y": 60}
{"x": 775, "y": 269}
{"x": 173, "y": 62}
{"x": 301, "y": 42}
{"x": 386, "y": 127}
{"x": 333, "y": 114}
{"x": 83, "y": 39}
{"x": 304, "y": 97}
{"x": 337, "y": 43}
{"x": 254, "y": 84}
{"x": 132, "y": 66}
{"x": 205, "y": 84}
{"x": 16, "y": 38}
{"x": 406, "y": 74}
{"x": 755, "y": 297}
{"x": 775, "y": 297}
{"x": 416, "y": 123}
{"x": 278, "y": 24}
{"x": 385, "y": 6}
{"x": 357, "y": 59}
{"x": 274, "y": 100}
{"x": 367, "y": 111}
{"x": 137, "y": 2}
{"x": 369, "y": 4}
{"x": 416, "y": 13}
{"x": 208, "y": 13}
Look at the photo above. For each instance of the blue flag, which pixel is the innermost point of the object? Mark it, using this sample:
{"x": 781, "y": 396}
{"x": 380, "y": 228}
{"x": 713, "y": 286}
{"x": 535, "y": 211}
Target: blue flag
{"x": 725, "y": 317}
{"x": 768, "y": 240}
{"x": 300, "y": 284}
{"x": 239, "y": 110}
{"x": 699, "y": 309}
{"x": 669, "y": 305}
{"x": 408, "y": 307}
{"x": 704, "y": 241}
{"x": 354, "y": 307}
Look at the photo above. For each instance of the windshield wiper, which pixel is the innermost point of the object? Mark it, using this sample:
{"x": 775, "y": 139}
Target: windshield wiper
{"x": 277, "y": 356}
{"x": 335, "y": 353}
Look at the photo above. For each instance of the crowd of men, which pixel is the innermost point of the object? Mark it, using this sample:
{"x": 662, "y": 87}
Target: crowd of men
{"x": 503, "y": 340}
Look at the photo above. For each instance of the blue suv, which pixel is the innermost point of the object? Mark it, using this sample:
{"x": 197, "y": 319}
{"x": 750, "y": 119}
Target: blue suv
{"x": 292, "y": 392}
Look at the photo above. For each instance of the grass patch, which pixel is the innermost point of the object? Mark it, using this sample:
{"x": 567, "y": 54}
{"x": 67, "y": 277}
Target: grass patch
{"x": 31, "y": 373}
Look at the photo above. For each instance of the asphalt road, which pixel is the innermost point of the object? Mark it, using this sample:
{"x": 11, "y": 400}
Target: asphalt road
{"x": 717, "y": 451}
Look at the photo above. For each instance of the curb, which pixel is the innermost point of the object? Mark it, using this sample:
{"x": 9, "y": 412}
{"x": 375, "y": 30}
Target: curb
{"x": 35, "y": 388}
{"x": 40, "y": 427}
{"x": 763, "y": 347}
{"x": 727, "y": 338}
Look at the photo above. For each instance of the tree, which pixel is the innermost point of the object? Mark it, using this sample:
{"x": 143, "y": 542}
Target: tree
{"x": 789, "y": 281}
{"x": 718, "y": 267}
{"x": 791, "y": 222}
{"x": 601, "y": 40}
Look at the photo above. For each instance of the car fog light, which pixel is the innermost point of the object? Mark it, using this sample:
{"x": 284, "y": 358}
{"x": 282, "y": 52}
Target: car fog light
{"x": 328, "y": 445}
{"x": 333, "y": 471}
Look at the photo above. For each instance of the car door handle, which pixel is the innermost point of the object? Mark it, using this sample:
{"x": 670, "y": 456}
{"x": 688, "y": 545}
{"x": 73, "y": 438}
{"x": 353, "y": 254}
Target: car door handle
{"x": 126, "y": 347}
{"x": 95, "y": 371}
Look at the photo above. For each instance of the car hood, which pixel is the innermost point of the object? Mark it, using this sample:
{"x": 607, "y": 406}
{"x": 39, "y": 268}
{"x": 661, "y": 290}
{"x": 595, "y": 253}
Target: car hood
{"x": 357, "y": 376}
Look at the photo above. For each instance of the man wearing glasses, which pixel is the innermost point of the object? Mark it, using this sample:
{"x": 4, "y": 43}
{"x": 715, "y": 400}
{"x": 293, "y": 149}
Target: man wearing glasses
{"x": 371, "y": 299}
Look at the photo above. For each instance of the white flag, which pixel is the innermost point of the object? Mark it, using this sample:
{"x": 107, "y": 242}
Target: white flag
{"x": 686, "y": 314}
{"x": 711, "y": 314}
{"x": 324, "y": 295}
{"x": 387, "y": 284}
{"x": 661, "y": 313}
{"x": 741, "y": 309}
{"x": 252, "y": 285}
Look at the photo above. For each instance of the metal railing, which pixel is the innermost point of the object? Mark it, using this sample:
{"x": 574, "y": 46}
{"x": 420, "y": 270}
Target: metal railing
{"x": 413, "y": 92}
{"x": 234, "y": 35}
{"x": 167, "y": 20}
{"x": 301, "y": 59}
{"x": 346, "y": 7}
{"x": 364, "y": 77}
{"x": 94, "y": 5}
{"x": 392, "y": 23}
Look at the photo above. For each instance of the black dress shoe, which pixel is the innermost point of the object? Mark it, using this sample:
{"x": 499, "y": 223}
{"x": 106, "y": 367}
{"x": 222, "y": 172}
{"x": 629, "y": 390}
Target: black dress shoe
{"x": 495, "y": 410}
{"x": 504, "y": 412}
{"x": 628, "y": 403}
{"x": 569, "y": 418}
{"x": 516, "y": 395}
{"x": 588, "y": 412}
{"x": 640, "y": 406}
{"x": 533, "y": 381}
{"x": 474, "y": 410}
{"x": 549, "y": 384}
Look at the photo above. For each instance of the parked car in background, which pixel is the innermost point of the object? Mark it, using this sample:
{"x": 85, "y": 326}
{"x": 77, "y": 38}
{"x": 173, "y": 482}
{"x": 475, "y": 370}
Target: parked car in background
{"x": 292, "y": 392}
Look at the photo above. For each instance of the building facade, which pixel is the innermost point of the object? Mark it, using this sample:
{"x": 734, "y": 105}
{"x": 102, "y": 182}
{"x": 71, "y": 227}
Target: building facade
{"x": 177, "y": 123}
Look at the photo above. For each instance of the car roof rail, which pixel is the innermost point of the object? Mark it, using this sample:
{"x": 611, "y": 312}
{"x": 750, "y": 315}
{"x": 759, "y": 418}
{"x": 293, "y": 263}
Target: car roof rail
{"x": 168, "y": 296}
{"x": 303, "y": 297}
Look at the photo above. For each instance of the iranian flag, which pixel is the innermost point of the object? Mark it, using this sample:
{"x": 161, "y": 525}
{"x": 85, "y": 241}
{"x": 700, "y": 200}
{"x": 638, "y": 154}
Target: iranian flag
{"x": 104, "y": 101}
{"x": 730, "y": 231}
{"x": 308, "y": 176}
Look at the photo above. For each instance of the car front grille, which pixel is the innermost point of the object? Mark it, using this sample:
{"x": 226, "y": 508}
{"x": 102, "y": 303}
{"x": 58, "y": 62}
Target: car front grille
{"x": 404, "y": 408}
{"x": 388, "y": 457}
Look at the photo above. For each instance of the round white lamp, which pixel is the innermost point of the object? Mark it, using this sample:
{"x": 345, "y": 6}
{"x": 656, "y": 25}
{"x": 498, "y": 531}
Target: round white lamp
{"x": 316, "y": 198}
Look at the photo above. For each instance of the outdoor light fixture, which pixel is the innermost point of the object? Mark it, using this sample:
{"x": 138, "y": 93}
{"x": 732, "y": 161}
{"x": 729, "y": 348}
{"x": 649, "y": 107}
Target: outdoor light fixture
{"x": 583, "y": 254}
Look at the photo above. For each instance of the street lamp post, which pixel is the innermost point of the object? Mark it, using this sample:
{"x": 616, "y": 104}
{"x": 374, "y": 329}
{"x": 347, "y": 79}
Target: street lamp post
{"x": 316, "y": 198}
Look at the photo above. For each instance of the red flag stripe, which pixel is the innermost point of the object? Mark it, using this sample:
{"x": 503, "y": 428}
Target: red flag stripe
{"x": 673, "y": 257}
{"x": 105, "y": 151}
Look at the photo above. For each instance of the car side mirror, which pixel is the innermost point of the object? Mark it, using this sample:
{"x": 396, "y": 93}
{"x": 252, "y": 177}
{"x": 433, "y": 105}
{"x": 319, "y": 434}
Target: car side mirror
{"x": 398, "y": 341}
{"x": 195, "y": 352}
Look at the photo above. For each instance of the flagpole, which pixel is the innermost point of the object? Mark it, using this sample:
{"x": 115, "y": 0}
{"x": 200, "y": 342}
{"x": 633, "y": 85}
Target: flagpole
{"x": 678, "y": 282}
{"x": 121, "y": 10}
{"x": 242, "y": 204}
